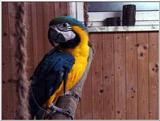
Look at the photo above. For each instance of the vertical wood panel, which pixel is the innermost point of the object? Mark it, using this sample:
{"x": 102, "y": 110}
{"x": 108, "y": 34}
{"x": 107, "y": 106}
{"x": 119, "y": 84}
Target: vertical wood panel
{"x": 120, "y": 87}
{"x": 11, "y": 10}
{"x": 30, "y": 48}
{"x": 56, "y": 7}
{"x": 40, "y": 29}
{"x": 153, "y": 75}
{"x": 131, "y": 76}
{"x": 13, "y": 80}
{"x": 97, "y": 82}
{"x": 47, "y": 7}
{"x": 108, "y": 76}
{"x": 6, "y": 64}
{"x": 142, "y": 40}
{"x": 63, "y": 6}
{"x": 86, "y": 102}
{"x": 34, "y": 35}
{"x": 78, "y": 112}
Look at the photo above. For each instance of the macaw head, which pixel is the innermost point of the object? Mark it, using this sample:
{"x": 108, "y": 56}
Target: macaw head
{"x": 65, "y": 32}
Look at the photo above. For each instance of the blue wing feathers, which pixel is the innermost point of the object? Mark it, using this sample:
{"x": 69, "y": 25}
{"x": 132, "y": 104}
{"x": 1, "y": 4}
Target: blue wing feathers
{"x": 47, "y": 76}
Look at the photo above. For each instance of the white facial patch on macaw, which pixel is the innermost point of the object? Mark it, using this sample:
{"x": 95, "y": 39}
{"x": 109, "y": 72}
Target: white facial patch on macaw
{"x": 68, "y": 35}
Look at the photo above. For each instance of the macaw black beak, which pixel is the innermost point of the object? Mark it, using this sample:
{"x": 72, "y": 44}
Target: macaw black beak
{"x": 55, "y": 37}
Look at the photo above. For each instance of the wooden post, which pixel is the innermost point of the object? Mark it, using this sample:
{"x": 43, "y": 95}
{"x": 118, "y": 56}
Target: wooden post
{"x": 70, "y": 102}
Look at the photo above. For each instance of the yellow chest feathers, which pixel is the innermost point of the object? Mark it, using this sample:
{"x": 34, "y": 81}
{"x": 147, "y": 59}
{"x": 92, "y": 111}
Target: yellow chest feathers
{"x": 80, "y": 53}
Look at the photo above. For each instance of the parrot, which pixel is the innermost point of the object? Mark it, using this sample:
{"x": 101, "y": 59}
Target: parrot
{"x": 62, "y": 67}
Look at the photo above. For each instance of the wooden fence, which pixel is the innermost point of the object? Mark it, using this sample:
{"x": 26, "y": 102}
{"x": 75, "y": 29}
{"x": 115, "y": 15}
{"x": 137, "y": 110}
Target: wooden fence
{"x": 122, "y": 82}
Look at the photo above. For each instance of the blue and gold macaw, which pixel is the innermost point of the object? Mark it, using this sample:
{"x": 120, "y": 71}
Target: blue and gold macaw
{"x": 61, "y": 68}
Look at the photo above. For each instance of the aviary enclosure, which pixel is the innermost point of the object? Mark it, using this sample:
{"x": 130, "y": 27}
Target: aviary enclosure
{"x": 123, "y": 79}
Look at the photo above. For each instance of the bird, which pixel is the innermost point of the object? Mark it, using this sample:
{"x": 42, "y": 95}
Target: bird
{"x": 62, "y": 67}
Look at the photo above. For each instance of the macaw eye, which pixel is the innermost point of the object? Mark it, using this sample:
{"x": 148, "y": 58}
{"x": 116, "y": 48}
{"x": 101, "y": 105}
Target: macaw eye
{"x": 64, "y": 27}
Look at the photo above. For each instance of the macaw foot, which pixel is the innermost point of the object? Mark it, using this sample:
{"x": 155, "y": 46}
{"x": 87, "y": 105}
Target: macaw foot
{"x": 61, "y": 110}
{"x": 75, "y": 95}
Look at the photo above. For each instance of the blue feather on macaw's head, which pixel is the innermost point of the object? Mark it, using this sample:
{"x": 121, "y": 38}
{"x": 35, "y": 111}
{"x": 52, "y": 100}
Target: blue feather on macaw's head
{"x": 68, "y": 19}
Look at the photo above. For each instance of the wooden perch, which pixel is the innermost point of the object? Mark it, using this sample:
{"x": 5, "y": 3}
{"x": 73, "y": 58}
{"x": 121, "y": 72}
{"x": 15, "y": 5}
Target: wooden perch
{"x": 70, "y": 102}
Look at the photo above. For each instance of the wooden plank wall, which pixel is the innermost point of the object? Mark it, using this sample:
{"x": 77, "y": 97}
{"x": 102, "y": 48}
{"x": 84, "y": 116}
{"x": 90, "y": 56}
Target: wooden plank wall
{"x": 37, "y": 19}
{"x": 122, "y": 82}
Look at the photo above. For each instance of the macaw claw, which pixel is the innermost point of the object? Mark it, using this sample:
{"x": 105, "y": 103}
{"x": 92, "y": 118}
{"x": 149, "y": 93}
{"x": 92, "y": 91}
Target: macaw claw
{"x": 65, "y": 112}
